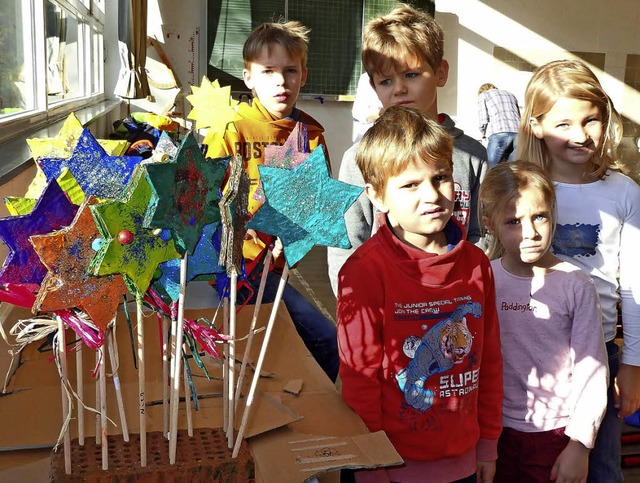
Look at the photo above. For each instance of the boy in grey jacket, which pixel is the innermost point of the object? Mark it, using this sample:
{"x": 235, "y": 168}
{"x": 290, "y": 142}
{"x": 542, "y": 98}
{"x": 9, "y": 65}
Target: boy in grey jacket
{"x": 403, "y": 54}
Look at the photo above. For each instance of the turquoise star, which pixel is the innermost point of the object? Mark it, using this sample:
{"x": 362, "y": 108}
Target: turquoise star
{"x": 127, "y": 246}
{"x": 305, "y": 207}
{"x": 187, "y": 193}
{"x": 96, "y": 172}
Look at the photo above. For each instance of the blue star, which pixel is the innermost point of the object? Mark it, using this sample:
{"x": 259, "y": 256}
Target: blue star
{"x": 52, "y": 212}
{"x": 203, "y": 261}
{"x": 97, "y": 173}
{"x": 305, "y": 207}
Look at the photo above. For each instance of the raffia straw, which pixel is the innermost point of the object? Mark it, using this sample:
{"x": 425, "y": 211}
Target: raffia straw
{"x": 175, "y": 389}
{"x": 187, "y": 395}
{"x": 258, "y": 368}
{"x": 254, "y": 320}
{"x": 114, "y": 360}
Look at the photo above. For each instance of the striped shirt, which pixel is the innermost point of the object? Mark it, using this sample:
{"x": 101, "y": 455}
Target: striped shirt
{"x": 498, "y": 112}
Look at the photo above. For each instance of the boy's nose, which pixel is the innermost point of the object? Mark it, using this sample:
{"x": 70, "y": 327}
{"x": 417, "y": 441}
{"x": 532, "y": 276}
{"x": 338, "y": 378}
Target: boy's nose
{"x": 399, "y": 87}
{"x": 428, "y": 193}
{"x": 528, "y": 230}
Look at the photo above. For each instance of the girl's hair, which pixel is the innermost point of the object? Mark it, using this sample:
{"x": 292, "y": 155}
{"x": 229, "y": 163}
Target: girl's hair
{"x": 572, "y": 79}
{"x": 399, "y": 137}
{"x": 486, "y": 87}
{"x": 292, "y": 36}
{"x": 503, "y": 184}
{"x": 405, "y": 32}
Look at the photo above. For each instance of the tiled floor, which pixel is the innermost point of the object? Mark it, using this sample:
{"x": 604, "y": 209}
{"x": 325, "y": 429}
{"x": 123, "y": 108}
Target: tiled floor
{"x": 310, "y": 278}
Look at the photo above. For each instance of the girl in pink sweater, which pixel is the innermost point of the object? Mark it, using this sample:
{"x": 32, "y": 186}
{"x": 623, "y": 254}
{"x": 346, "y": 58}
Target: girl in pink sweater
{"x": 554, "y": 359}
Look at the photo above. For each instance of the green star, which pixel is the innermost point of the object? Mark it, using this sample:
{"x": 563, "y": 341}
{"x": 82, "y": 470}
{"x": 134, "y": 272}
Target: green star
{"x": 127, "y": 246}
{"x": 187, "y": 192}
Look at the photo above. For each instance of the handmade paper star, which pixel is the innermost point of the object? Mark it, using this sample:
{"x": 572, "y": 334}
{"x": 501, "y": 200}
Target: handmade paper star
{"x": 67, "y": 253}
{"x": 203, "y": 261}
{"x": 62, "y": 146}
{"x": 97, "y": 173}
{"x": 305, "y": 207}
{"x": 233, "y": 215}
{"x": 52, "y": 212}
{"x": 166, "y": 149}
{"x": 22, "y": 206}
{"x": 127, "y": 247}
{"x": 213, "y": 106}
{"x": 293, "y": 152}
{"x": 187, "y": 193}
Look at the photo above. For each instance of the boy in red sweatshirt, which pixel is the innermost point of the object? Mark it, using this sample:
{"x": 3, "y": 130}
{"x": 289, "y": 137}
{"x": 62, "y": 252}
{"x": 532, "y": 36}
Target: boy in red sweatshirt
{"x": 418, "y": 332}
{"x": 275, "y": 69}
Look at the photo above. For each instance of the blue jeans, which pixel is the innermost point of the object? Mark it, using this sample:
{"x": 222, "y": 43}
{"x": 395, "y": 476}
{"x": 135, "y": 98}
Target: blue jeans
{"x": 316, "y": 331}
{"x": 604, "y": 460}
{"x": 501, "y": 146}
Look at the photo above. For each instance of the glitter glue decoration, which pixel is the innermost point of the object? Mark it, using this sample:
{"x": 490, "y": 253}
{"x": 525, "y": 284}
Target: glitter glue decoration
{"x": 186, "y": 193}
{"x": 52, "y": 212}
{"x": 138, "y": 260}
{"x": 97, "y": 173}
{"x": 67, "y": 253}
{"x": 293, "y": 152}
{"x": 234, "y": 215}
{"x": 304, "y": 207}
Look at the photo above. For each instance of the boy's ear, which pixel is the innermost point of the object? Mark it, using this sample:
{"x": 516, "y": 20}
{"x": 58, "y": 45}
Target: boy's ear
{"x": 303, "y": 81}
{"x": 376, "y": 199}
{"x": 536, "y": 128}
{"x": 246, "y": 75}
{"x": 442, "y": 73}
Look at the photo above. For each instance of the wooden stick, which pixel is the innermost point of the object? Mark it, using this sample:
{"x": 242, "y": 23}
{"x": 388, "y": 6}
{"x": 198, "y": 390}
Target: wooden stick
{"x": 141, "y": 383}
{"x": 80, "y": 393}
{"x": 187, "y": 397}
{"x": 165, "y": 375}
{"x": 175, "y": 389}
{"x": 172, "y": 361}
{"x": 103, "y": 410}
{"x": 98, "y": 438}
{"x": 254, "y": 320}
{"x": 225, "y": 366}
{"x": 62, "y": 354}
{"x": 263, "y": 352}
{"x": 116, "y": 384}
{"x": 232, "y": 355}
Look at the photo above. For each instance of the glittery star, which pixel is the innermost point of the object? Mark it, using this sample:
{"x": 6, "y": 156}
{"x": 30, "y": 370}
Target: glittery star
{"x": 137, "y": 254}
{"x": 305, "y": 207}
{"x": 213, "y": 106}
{"x": 187, "y": 193}
{"x": 293, "y": 152}
{"x": 52, "y": 212}
{"x": 203, "y": 261}
{"x": 62, "y": 146}
{"x": 234, "y": 214}
{"x": 67, "y": 253}
{"x": 97, "y": 173}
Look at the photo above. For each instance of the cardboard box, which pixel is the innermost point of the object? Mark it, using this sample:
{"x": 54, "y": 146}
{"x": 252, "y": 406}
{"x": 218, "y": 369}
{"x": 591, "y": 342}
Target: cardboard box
{"x": 299, "y": 426}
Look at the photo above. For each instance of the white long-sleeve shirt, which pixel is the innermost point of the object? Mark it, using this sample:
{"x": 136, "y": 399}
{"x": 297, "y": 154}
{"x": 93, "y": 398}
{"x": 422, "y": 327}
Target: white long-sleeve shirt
{"x": 555, "y": 371}
{"x": 598, "y": 229}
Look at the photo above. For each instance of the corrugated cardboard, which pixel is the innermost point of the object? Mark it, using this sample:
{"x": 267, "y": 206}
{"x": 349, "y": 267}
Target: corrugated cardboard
{"x": 279, "y": 425}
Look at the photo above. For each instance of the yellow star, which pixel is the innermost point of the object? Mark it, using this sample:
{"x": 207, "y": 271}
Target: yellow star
{"x": 213, "y": 106}
{"x": 23, "y": 206}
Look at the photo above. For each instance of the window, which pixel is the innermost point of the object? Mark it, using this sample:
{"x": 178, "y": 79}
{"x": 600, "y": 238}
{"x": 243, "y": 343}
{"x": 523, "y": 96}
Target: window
{"x": 51, "y": 62}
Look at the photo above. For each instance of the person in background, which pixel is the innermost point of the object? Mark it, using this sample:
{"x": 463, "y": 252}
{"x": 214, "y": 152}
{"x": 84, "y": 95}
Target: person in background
{"x": 275, "y": 69}
{"x": 418, "y": 331}
{"x": 402, "y": 53}
{"x": 499, "y": 119}
{"x": 366, "y": 107}
{"x": 571, "y": 129}
{"x": 554, "y": 359}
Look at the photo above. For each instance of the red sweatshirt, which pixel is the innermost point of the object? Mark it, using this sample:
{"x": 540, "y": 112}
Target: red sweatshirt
{"x": 419, "y": 346}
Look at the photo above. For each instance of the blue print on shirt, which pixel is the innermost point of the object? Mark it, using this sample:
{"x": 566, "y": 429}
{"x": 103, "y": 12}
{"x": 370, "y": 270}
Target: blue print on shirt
{"x": 579, "y": 240}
